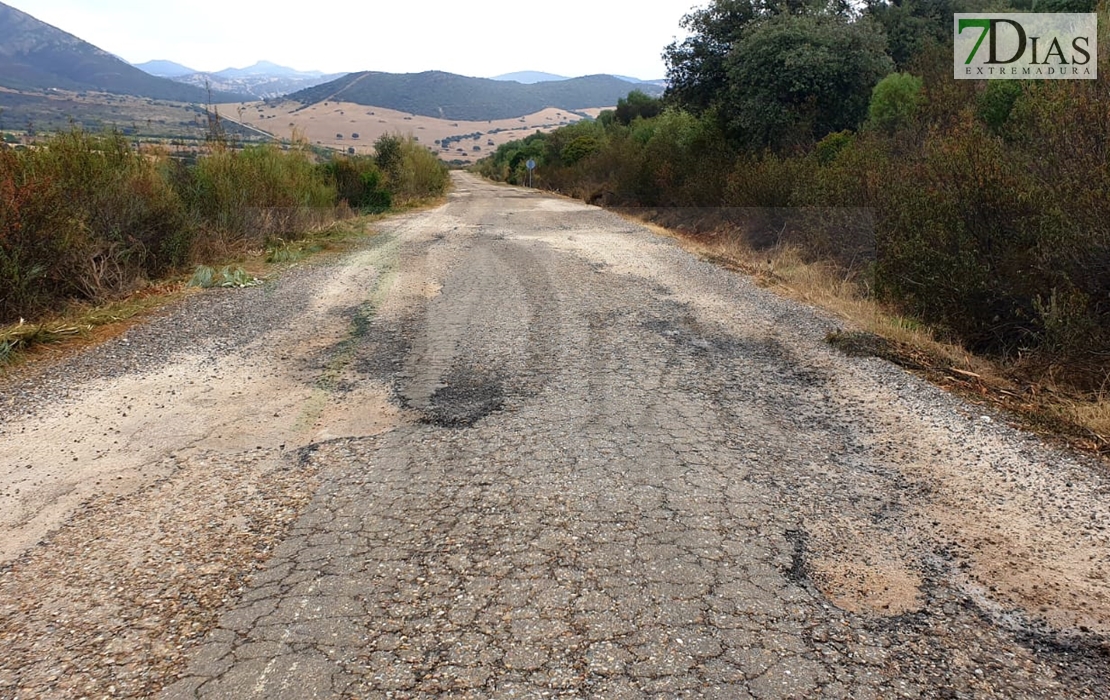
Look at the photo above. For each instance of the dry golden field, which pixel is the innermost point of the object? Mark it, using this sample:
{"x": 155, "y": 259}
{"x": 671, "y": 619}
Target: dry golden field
{"x": 344, "y": 125}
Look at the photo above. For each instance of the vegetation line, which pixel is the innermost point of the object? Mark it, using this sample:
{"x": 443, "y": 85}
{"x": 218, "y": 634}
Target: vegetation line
{"x": 90, "y": 225}
{"x": 877, "y": 329}
{"x": 830, "y": 140}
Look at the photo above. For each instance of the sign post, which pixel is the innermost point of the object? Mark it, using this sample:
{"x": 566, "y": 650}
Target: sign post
{"x": 531, "y": 165}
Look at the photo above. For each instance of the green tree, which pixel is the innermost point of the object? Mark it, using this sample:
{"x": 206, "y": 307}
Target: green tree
{"x": 579, "y": 148}
{"x": 387, "y": 154}
{"x": 894, "y": 101}
{"x": 637, "y": 104}
{"x": 912, "y": 26}
{"x": 697, "y": 74}
{"x": 793, "y": 78}
{"x": 996, "y": 102}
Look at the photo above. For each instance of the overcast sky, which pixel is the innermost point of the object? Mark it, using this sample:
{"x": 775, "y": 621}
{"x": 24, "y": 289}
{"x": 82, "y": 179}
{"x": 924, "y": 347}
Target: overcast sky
{"x": 478, "y": 38}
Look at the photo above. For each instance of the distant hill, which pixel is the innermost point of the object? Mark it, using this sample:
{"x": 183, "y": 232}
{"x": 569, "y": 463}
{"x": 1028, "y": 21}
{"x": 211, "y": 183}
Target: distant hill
{"x": 528, "y": 77}
{"x": 262, "y": 81}
{"x": 37, "y": 56}
{"x": 164, "y": 69}
{"x": 450, "y": 96}
{"x": 266, "y": 69}
{"x": 661, "y": 83}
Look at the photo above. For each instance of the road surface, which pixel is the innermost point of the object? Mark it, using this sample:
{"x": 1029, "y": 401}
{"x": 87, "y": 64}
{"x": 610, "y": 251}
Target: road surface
{"x": 519, "y": 447}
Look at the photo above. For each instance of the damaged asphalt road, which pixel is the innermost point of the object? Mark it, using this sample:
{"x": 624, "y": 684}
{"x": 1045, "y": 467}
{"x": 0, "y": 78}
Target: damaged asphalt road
{"x": 612, "y": 470}
{"x": 625, "y": 473}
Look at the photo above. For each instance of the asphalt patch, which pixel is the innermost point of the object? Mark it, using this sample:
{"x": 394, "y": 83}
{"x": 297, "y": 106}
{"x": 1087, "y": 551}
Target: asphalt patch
{"x": 466, "y": 399}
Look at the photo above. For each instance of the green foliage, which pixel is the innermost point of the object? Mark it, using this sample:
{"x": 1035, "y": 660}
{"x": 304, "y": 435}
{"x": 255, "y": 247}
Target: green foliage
{"x": 895, "y": 100}
{"x": 795, "y": 78}
{"x": 86, "y": 217}
{"x": 579, "y": 148}
{"x": 699, "y": 67}
{"x": 360, "y": 183}
{"x": 206, "y": 277}
{"x": 32, "y": 239}
{"x": 696, "y": 71}
{"x": 828, "y": 148}
{"x": 247, "y": 197}
{"x": 387, "y": 154}
{"x": 914, "y": 26}
{"x": 417, "y": 173}
{"x": 638, "y": 105}
{"x": 996, "y": 102}
{"x": 508, "y": 162}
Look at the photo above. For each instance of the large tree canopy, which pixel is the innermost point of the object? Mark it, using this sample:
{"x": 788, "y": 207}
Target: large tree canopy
{"x": 778, "y": 73}
{"x": 695, "y": 66}
{"x": 792, "y": 79}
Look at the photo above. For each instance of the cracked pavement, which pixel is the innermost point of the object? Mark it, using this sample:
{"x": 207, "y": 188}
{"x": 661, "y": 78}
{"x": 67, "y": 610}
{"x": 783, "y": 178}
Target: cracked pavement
{"x": 548, "y": 453}
{"x": 626, "y": 474}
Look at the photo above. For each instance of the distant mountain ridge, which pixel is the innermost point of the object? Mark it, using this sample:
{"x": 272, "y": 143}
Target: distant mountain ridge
{"x": 269, "y": 69}
{"x": 164, "y": 69}
{"x": 528, "y": 77}
{"x": 449, "y": 96}
{"x": 263, "y": 80}
{"x": 660, "y": 82}
{"x": 37, "y": 56}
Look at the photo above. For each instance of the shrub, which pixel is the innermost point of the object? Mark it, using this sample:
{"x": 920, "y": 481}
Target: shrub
{"x": 359, "y": 183}
{"x": 997, "y": 102}
{"x": 250, "y": 196}
{"x": 829, "y": 148}
{"x": 638, "y": 105}
{"x": 387, "y": 153}
{"x": 895, "y": 100}
{"x": 32, "y": 240}
{"x": 103, "y": 214}
{"x": 417, "y": 173}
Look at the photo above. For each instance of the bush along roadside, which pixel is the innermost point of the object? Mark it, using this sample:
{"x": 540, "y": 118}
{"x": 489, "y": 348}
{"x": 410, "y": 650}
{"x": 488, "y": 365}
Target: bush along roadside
{"x": 976, "y": 209}
{"x": 89, "y": 222}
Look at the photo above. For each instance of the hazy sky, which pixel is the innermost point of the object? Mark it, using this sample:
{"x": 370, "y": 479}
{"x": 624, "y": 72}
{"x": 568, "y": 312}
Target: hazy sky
{"x": 479, "y": 38}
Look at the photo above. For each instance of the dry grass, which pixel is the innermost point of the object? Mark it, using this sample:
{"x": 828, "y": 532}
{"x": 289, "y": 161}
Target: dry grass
{"x": 321, "y": 122}
{"x": 870, "y": 328}
{"x": 82, "y": 325}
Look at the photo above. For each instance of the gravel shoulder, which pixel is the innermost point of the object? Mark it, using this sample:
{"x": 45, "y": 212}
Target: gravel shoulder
{"x": 519, "y": 446}
{"x": 142, "y": 480}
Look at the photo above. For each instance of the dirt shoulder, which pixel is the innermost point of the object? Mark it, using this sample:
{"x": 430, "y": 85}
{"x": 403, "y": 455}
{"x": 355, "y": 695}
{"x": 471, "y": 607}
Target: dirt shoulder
{"x": 142, "y": 479}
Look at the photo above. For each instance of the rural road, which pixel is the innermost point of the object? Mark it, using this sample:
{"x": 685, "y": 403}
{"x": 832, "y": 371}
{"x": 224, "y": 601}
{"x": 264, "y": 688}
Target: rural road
{"x": 519, "y": 447}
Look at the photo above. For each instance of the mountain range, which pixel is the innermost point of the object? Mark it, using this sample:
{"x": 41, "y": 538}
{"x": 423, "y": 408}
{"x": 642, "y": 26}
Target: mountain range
{"x": 37, "y": 56}
{"x": 450, "y": 96}
{"x": 41, "y": 64}
{"x": 528, "y": 77}
{"x": 262, "y": 81}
